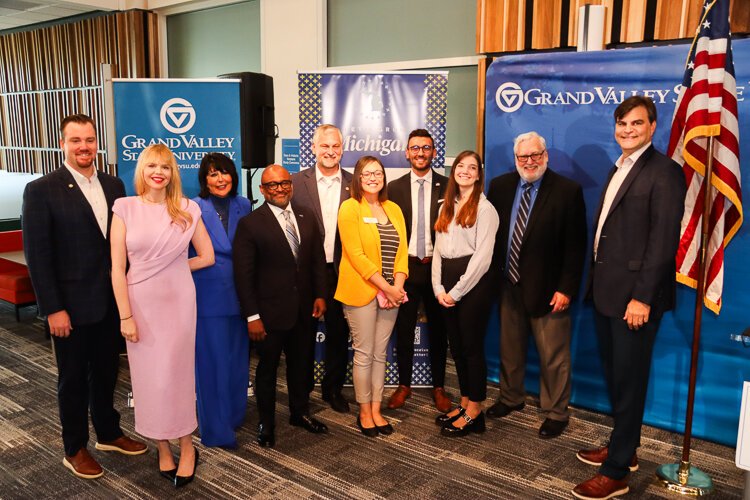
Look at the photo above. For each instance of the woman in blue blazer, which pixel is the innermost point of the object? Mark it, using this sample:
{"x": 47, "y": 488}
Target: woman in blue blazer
{"x": 221, "y": 344}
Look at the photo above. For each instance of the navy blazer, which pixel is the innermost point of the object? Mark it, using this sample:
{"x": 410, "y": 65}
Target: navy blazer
{"x": 639, "y": 239}
{"x": 214, "y": 285}
{"x": 68, "y": 256}
{"x": 268, "y": 279}
{"x": 306, "y": 195}
{"x": 553, "y": 250}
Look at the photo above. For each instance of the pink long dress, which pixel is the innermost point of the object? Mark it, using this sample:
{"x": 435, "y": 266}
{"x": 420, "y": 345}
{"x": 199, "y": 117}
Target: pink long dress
{"x": 162, "y": 298}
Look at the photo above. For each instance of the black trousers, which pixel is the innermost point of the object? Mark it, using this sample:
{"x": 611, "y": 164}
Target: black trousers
{"x": 337, "y": 339}
{"x": 419, "y": 289}
{"x": 297, "y": 345}
{"x": 626, "y": 360}
{"x": 87, "y": 365}
{"x": 466, "y": 323}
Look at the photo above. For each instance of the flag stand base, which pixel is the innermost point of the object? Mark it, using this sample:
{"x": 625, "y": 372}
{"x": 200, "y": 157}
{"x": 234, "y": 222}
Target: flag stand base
{"x": 684, "y": 479}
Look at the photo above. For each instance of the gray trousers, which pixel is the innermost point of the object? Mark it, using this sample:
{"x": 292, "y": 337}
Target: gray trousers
{"x": 552, "y": 336}
{"x": 371, "y": 328}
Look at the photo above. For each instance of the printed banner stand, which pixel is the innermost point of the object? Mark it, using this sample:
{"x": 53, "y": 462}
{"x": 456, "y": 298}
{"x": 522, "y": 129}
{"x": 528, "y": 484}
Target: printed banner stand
{"x": 191, "y": 117}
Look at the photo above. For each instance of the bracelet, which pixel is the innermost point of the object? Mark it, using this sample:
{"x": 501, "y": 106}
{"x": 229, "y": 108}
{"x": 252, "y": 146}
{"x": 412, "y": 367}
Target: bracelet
{"x": 123, "y": 319}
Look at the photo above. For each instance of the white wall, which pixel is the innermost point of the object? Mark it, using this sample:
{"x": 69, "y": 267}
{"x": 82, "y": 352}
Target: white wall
{"x": 11, "y": 193}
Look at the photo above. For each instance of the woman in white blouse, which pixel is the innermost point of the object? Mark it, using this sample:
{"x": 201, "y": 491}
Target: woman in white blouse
{"x": 465, "y": 237}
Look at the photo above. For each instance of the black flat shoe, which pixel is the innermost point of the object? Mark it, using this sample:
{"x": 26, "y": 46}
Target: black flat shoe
{"x": 167, "y": 474}
{"x": 367, "y": 431}
{"x": 385, "y": 430}
{"x": 180, "y": 481}
{"x": 476, "y": 424}
{"x": 444, "y": 419}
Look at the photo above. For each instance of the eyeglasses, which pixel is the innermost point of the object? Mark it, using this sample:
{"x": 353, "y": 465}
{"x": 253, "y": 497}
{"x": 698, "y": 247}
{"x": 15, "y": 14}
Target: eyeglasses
{"x": 377, "y": 174}
{"x": 532, "y": 156}
{"x": 275, "y": 186}
{"x": 415, "y": 149}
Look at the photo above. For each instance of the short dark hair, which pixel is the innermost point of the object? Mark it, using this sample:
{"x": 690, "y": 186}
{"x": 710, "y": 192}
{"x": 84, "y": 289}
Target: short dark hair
{"x": 78, "y": 118}
{"x": 221, "y": 163}
{"x": 633, "y": 102}
{"x": 356, "y": 186}
{"x": 420, "y": 132}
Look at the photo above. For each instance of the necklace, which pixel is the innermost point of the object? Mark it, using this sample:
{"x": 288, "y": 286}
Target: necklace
{"x": 221, "y": 217}
{"x": 148, "y": 200}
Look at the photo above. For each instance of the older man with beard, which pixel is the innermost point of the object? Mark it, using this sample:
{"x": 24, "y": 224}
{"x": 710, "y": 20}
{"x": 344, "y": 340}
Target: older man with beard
{"x": 540, "y": 250}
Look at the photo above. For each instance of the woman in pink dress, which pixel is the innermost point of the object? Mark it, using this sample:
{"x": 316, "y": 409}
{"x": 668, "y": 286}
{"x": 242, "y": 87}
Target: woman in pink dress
{"x": 156, "y": 301}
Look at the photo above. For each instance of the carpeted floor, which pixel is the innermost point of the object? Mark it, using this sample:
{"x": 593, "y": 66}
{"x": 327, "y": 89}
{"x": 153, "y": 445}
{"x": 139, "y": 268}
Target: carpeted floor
{"x": 508, "y": 461}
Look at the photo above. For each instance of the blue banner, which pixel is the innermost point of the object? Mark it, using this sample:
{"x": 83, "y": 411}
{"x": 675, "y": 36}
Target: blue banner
{"x": 192, "y": 117}
{"x": 375, "y": 113}
{"x": 569, "y": 98}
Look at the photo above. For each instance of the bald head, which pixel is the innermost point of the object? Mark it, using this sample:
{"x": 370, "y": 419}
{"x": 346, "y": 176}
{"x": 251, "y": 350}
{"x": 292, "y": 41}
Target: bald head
{"x": 276, "y": 185}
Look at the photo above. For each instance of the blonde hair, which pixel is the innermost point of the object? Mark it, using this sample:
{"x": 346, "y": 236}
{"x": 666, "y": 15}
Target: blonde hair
{"x": 159, "y": 153}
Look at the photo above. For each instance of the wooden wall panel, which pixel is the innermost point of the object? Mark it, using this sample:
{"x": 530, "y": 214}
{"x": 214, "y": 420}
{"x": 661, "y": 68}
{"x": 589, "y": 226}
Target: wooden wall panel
{"x": 501, "y": 25}
{"x": 545, "y": 30}
{"x": 51, "y": 72}
{"x": 633, "y": 21}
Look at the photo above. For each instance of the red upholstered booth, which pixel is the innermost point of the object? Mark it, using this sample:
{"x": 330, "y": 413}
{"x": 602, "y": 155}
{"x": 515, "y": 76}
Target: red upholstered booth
{"x": 15, "y": 284}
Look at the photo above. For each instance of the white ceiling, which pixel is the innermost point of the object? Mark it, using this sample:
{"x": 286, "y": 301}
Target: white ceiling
{"x": 16, "y": 13}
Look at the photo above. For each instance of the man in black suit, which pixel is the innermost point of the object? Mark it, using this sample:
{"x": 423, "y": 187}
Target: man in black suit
{"x": 632, "y": 283}
{"x": 322, "y": 190}
{"x": 541, "y": 248}
{"x": 66, "y": 219}
{"x": 279, "y": 272}
{"x": 419, "y": 194}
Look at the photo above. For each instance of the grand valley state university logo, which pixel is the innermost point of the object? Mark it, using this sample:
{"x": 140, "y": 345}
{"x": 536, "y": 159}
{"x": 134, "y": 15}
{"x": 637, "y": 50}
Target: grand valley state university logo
{"x": 177, "y": 115}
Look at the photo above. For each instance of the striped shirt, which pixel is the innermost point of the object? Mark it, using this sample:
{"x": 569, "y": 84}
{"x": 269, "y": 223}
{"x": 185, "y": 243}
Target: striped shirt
{"x": 388, "y": 247}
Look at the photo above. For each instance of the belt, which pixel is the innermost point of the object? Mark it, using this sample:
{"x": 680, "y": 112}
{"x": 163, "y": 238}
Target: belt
{"x": 426, "y": 260}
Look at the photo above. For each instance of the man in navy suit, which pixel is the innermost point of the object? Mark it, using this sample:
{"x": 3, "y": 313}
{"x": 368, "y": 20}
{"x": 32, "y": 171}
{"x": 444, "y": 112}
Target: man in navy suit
{"x": 279, "y": 273}
{"x": 322, "y": 189}
{"x": 66, "y": 219}
{"x": 632, "y": 283}
{"x": 425, "y": 185}
{"x": 541, "y": 249}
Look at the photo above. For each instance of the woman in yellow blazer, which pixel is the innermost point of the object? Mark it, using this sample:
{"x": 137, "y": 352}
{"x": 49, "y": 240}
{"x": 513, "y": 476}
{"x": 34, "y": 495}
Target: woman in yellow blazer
{"x": 373, "y": 269}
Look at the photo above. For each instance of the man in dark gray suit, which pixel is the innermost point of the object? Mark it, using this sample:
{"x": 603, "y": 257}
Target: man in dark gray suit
{"x": 632, "y": 283}
{"x": 66, "y": 219}
{"x": 541, "y": 249}
{"x": 322, "y": 190}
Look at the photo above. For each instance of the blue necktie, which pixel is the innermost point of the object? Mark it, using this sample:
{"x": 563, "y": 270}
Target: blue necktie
{"x": 515, "y": 245}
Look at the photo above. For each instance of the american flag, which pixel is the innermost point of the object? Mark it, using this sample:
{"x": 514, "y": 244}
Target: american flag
{"x": 707, "y": 107}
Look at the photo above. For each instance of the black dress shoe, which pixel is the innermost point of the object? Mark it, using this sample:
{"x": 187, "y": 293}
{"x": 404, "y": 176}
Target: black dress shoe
{"x": 337, "y": 402}
{"x": 180, "y": 481}
{"x": 552, "y": 428}
{"x": 310, "y": 424}
{"x": 385, "y": 430}
{"x": 266, "y": 437}
{"x": 500, "y": 409}
{"x": 370, "y": 432}
{"x": 477, "y": 425}
{"x": 444, "y": 419}
{"x": 167, "y": 474}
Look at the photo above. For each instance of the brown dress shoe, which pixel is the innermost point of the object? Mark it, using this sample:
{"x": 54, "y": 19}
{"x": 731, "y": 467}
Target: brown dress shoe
{"x": 399, "y": 397}
{"x": 442, "y": 401}
{"x": 600, "y": 488}
{"x": 597, "y": 456}
{"x": 124, "y": 445}
{"x": 83, "y": 465}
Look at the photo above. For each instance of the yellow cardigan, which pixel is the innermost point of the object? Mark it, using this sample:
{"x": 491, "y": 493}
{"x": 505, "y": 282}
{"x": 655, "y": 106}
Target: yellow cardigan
{"x": 360, "y": 243}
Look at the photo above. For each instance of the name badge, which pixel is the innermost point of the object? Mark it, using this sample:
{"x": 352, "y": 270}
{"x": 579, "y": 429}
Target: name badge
{"x": 370, "y": 220}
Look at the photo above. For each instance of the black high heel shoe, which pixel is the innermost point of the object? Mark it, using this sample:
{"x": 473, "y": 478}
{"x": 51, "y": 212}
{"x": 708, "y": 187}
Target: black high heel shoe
{"x": 180, "y": 481}
{"x": 367, "y": 431}
{"x": 443, "y": 419}
{"x": 476, "y": 424}
{"x": 385, "y": 430}
{"x": 167, "y": 474}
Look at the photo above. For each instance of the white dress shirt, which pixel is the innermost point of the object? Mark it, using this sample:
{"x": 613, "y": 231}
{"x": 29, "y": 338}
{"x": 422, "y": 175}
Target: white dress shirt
{"x": 94, "y": 194}
{"x": 329, "y": 193}
{"x": 624, "y": 166}
{"x": 414, "y": 211}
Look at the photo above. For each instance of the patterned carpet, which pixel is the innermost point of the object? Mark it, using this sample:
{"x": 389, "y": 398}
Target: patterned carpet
{"x": 508, "y": 461}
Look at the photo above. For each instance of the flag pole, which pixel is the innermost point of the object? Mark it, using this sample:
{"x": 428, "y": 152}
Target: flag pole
{"x": 683, "y": 478}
